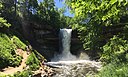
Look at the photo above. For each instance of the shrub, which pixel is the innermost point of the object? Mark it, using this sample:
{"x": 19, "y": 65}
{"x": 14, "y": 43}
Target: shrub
{"x": 2, "y": 75}
{"x": 15, "y": 61}
{"x": 33, "y": 62}
{"x": 115, "y": 50}
{"x": 114, "y": 70}
{"x": 3, "y": 23}
{"x": 25, "y": 73}
{"x": 7, "y": 52}
{"x": 115, "y": 56}
{"x": 18, "y": 42}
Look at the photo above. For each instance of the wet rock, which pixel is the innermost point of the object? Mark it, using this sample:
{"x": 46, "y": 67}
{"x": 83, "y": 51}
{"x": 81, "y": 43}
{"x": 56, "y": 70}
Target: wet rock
{"x": 44, "y": 71}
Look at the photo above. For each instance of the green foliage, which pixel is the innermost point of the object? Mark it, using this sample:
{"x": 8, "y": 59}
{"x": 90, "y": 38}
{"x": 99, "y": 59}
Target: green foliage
{"x": 39, "y": 56}
{"x": 25, "y": 73}
{"x": 3, "y": 23}
{"x": 1, "y": 5}
{"x": 8, "y": 10}
{"x": 32, "y": 4}
{"x": 115, "y": 50}
{"x": 90, "y": 36}
{"x": 33, "y": 62}
{"x": 102, "y": 12}
{"x": 2, "y": 75}
{"x": 114, "y": 70}
{"x": 7, "y": 51}
{"x": 97, "y": 21}
{"x": 47, "y": 14}
{"x": 102, "y": 26}
{"x": 18, "y": 42}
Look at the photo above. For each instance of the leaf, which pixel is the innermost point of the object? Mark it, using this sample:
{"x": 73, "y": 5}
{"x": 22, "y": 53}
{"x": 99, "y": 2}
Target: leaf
{"x": 113, "y": 1}
{"x": 3, "y": 23}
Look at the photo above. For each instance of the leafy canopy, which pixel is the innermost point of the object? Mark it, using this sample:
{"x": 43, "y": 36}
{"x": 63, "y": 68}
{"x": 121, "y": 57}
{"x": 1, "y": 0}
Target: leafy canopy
{"x": 102, "y": 12}
{"x": 97, "y": 20}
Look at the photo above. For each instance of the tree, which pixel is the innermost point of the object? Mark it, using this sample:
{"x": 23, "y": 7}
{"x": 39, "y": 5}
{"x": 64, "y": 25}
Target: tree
{"x": 48, "y": 14}
{"x": 98, "y": 20}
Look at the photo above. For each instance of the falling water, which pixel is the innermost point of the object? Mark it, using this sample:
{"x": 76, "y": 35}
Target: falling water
{"x": 64, "y": 43}
{"x": 66, "y": 64}
{"x": 65, "y": 40}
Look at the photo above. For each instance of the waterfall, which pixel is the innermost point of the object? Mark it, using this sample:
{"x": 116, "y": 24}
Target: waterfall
{"x": 64, "y": 48}
{"x": 64, "y": 43}
{"x": 66, "y": 64}
{"x": 65, "y": 40}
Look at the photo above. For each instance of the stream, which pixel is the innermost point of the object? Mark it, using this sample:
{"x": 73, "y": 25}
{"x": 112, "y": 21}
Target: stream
{"x": 80, "y": 68}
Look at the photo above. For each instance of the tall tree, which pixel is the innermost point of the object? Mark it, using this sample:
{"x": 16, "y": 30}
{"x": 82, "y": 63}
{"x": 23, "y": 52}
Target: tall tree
{"x": 99, "y": 20}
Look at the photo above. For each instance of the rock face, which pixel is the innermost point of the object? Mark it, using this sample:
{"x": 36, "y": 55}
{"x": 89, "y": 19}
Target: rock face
{"x": 45, "y": 39}
{"x": 48, "y": 42}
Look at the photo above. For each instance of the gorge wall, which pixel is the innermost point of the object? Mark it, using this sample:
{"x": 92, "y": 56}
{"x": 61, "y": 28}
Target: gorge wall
{"x": 45, "y": 39}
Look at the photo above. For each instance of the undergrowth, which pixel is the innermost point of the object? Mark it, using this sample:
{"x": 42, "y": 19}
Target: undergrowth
{"x": 115, "y": 58}
{"x": 8, "y": 48}
{"x": 25, "y": 73}
{"x": 33, "y": 62}
{"x": 114, "y": 70}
